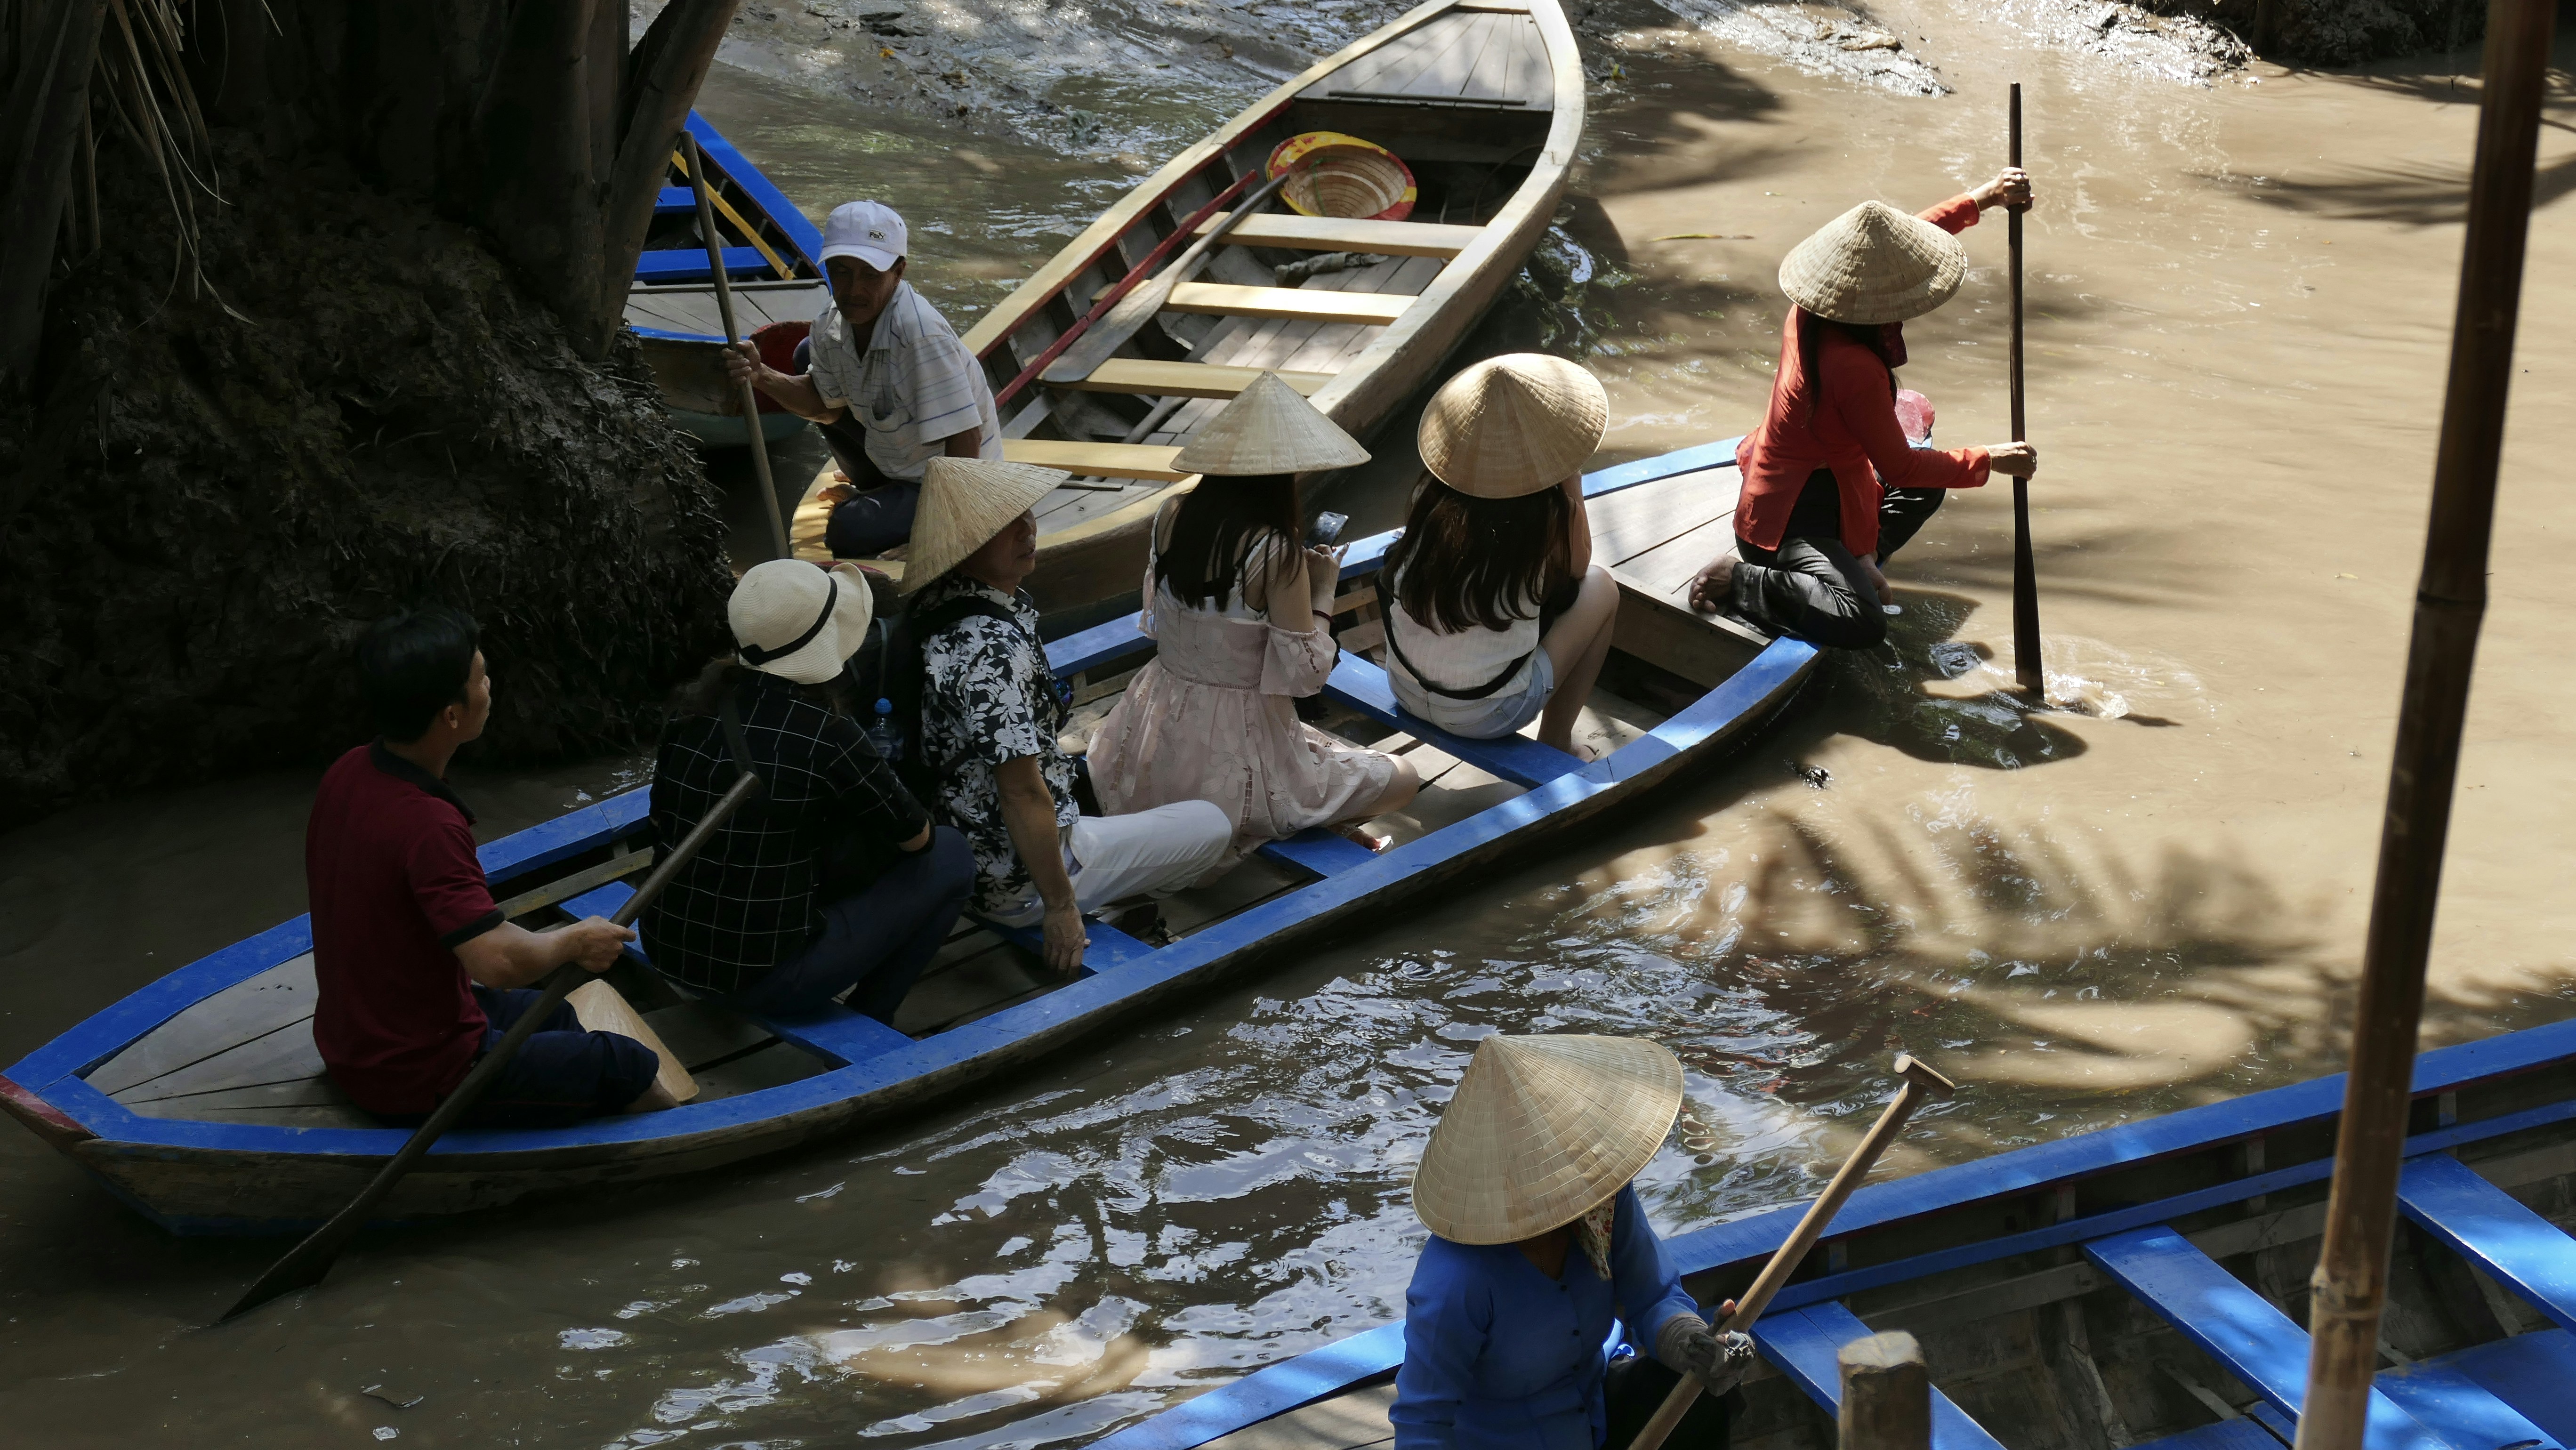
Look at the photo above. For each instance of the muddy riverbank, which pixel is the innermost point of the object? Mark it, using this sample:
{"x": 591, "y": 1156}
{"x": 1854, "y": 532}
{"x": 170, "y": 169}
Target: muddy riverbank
{"x": 2241, "y": 297}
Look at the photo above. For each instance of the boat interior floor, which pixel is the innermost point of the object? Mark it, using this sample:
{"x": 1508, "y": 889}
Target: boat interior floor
{"x": 246, "y": 1054}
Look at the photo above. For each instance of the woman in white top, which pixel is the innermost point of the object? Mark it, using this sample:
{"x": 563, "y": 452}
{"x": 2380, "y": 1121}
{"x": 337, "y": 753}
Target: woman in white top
{"x": 1497, "y": 614}
{"x": 1243, "y": 619}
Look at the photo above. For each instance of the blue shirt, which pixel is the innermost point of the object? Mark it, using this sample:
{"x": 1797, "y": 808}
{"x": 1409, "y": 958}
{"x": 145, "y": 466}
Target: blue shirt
{"x": 1498, "y": 1356}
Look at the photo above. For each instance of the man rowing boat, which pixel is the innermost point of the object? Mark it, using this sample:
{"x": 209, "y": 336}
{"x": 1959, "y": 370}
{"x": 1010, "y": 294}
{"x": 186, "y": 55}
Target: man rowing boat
{"x": 885, "y": 376}
{"x": 1832, "y": 484}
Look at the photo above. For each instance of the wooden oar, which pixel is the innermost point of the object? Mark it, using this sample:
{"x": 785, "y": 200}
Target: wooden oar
{"x": 310, "y": 1260}
{"x": 733, "y": 337}
{"x": 2026, "y": 663}
{"x": 1139, "y": 306}
{"x": 1921, "y": 1084}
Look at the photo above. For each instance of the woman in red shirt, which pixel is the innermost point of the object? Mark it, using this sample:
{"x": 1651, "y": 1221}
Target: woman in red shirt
{"x": 1832, "y": 485}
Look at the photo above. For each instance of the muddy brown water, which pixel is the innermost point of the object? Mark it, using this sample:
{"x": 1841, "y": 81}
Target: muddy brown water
{"x": 2240, "y": 301}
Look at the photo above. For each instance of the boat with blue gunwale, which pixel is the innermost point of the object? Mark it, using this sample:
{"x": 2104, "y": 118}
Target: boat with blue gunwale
{"x": 201, "y": 1101}
{"x": 772, "y": 262}
{"x": 2139, "y": 1287}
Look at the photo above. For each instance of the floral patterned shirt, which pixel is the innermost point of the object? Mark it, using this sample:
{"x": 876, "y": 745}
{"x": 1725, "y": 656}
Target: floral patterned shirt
{"x": 988, "y": 698}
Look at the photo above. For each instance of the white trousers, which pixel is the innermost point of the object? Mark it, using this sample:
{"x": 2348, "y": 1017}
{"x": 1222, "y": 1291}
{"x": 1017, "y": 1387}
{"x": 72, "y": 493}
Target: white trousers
{"x": 1149, "y": 853}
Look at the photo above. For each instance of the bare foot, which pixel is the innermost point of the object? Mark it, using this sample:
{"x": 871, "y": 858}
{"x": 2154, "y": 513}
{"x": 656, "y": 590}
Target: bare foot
{"x": 1354, "y": 831}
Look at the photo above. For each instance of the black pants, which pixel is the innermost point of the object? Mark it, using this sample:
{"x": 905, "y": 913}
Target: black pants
{"x": 561, "y": 1075}
{"x": 1635, "y": 1388}
{"x": 877, "y": 940}
{"x": 881, "y": 516}
{"x": 1812, "y": 587}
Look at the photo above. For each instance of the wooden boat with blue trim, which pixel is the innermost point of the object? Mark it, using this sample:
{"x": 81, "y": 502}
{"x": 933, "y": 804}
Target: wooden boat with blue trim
{"x": 771, "y": 257}
{"x": 2138, "y": 1286}
{"x": 200, "y": 1099}
{"x": 1480, "y": 100}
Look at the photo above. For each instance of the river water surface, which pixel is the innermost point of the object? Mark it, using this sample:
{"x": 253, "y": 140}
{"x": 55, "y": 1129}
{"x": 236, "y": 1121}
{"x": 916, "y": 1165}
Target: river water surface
{"x": 2240, "y": 301}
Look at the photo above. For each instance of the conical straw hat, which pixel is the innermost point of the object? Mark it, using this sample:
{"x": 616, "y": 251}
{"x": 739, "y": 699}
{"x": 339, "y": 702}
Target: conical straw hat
{"x": 1542, "y": 1129}
{"x": 964, "y": 503}
{"x": 1874, "y": 264}
{"x": 1268, "y": 428}
{"x": 1513, "y": 424}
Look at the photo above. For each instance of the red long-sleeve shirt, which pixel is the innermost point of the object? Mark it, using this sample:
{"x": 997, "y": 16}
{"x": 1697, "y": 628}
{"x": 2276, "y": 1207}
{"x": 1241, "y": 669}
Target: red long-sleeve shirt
{"x": 1851, "y": 428}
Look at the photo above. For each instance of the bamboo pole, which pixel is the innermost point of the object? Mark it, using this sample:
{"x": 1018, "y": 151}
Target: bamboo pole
{"x": 2351, "y": 1282}
{"x": 724, "y": 306}
{"x": 2026, "y": 662}
{"x": 1886, "y": 1399}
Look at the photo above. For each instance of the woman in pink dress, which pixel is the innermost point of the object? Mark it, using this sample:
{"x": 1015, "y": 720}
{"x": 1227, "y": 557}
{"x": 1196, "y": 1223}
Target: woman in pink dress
{"x": 1243, "y": 618}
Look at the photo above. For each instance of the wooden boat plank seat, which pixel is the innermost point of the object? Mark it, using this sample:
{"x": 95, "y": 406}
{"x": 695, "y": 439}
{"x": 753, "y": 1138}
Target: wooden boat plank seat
{"x": 2535, "y": 1373}
{"x": 1323, "y": 852}
{"x": 2237, "y": 1327}
{"x": 689, "y": 264}
{"x": 1524, "y": 762}
{"x": 2462, "y": 1410}
{"x": 1148, "y": 461}
{"x": 1340, "y": 234}
{"x": 2242, "y": 1434}
{"x": 1262, "y": 345}
{"x": 1803, "y": 1343}
{"x": 2491, "y": 1229}
{"x": 1153, "y": 378}
{"x": 1312, "y": 304}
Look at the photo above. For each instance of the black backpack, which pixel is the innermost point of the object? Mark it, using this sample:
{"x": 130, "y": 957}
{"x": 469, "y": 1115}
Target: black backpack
{"x": 889, "y": 685}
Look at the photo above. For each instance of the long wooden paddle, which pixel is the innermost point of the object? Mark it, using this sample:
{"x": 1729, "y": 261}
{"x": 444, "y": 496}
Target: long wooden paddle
{"x": 1139, "y": 306}
{"x": 2026, "y": 663}
{"x": 733, "y": 337}
{"x": 305, "y": 1265}
{"x": 1922, "y": 1084}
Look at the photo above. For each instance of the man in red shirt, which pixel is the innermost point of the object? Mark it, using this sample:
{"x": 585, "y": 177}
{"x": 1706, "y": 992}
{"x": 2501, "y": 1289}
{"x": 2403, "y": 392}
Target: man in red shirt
{"x": 417, "y": 971}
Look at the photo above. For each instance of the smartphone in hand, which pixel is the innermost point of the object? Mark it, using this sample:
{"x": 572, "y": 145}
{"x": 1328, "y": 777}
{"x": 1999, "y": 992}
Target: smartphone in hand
{"x": 1327, "y": 528}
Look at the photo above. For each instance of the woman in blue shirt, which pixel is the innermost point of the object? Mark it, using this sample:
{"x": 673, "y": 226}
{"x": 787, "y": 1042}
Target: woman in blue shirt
{"x": 1539, "y": 1243}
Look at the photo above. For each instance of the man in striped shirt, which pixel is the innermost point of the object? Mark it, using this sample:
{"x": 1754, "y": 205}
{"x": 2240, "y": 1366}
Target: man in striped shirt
{"x": 887, "y": 378}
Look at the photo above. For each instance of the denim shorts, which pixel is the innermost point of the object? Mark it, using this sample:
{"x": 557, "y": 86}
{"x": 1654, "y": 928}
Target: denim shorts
{"x": 1491, "y": 718}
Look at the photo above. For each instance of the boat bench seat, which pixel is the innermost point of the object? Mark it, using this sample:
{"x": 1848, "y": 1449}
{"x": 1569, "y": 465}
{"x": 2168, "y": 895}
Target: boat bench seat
{"x": 2535, "y": 1373}
{"x": 1803, "y": 1342}
{"x": 1109, "y": 946}
{"x": 1346, "y": 234}
{"x": 1363, "y": 687}
{"x": 1149, "y": 461}
{"x": 2224, "y": 1435}
{"x": 2485, "y": 1225}
{"x": 831, "y": 1030}
{"x": 1153, "y": 377}
{"x": 2248, "y": 1335}
{"x": 664, "y": 265}
{"x": 1326, "y": 853}
{"x": 676, "y": 201}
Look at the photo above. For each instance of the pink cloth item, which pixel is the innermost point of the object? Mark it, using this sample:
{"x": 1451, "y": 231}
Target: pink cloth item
{"x": 1212, "y": 717}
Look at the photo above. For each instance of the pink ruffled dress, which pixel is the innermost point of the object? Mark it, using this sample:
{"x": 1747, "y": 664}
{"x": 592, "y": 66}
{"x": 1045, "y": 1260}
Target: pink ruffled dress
{"x": 1212, "y": 717}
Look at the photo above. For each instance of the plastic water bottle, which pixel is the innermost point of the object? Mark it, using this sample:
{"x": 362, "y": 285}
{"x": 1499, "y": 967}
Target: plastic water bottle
{"x": 884, "y": 734}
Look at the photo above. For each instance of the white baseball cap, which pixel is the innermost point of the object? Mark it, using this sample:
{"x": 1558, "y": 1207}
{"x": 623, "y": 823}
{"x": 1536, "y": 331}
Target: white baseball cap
{"x": 867, "y": 230}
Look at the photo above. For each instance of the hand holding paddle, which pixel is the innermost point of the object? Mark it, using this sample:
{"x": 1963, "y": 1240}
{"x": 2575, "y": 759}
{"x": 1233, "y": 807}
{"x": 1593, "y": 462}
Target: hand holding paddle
{"x": 749, "y": 400}
{"x": 310, "y": 1260}
{"x": 1922, "y": 1085}
{"x": 2026, "y": 660}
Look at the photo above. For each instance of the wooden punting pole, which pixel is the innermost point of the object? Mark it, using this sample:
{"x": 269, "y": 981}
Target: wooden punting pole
{"x": 2351, "y": 1283}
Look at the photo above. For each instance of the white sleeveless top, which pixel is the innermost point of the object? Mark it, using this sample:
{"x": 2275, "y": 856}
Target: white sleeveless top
{"x": 1464, "y": 660}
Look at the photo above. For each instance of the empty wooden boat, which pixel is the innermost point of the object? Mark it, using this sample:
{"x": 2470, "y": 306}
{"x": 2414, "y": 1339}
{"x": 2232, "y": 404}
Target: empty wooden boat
{"x": 770, "y": 253}
{"x": 200, "y": 1099}
{"x": 1482, "y": 100}
{"x": 2139, "y": 1286}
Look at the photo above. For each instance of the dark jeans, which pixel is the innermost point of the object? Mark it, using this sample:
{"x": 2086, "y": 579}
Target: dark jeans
{"x": 881, "y": 516}
{"x": 875, "y": 942}
{"x": 562, "y": 1074}
{"x": 1812, "y": 587}
{"x": 1635, "y": 1388}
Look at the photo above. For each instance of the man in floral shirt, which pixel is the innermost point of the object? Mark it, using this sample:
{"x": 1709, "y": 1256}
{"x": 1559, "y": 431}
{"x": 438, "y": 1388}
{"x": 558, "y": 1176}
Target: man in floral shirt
{"x": 989, "y": 716}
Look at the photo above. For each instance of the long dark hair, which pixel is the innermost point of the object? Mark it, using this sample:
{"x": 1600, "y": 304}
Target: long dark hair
{"x": 1213, "y": 535}
{"x": 1811, "y": 351}
{"x": 1466, "y": 563}
{"x": 725, "y": 676}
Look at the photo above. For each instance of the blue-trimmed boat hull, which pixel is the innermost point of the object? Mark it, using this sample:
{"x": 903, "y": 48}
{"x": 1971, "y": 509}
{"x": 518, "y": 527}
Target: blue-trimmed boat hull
{"x": 196, "y": 1177}
{"x": 2116, "y": 1237}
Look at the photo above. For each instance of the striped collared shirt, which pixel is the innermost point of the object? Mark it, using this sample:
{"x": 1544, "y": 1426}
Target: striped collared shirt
{"x": 913, "y": 386}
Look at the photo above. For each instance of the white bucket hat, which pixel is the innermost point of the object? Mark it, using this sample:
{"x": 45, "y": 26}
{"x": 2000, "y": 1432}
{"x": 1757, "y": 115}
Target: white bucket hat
{"x": 1269, "y": 428}
{"x": 1874, "y": 264}
{"x": 1542, "y": 1130}
{"x": 964, "y": 503}
{"x": 798, "y": 622}
{"x": 1513, "y": 425}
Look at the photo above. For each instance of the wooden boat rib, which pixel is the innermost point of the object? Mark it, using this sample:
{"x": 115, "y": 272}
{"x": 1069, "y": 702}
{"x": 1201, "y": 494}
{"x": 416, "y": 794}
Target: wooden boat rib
{"x": 770, "y": 258}
{"x": 1483, "y": 100}
{"x": 2141, "y": 1285}
{"x": 200, "y": 1099}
